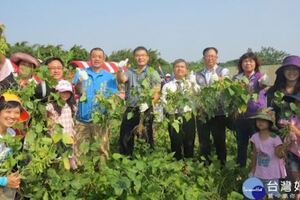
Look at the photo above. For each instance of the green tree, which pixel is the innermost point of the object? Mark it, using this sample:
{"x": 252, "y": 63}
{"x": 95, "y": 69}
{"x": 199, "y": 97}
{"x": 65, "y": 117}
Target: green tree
{"x": 79, "y": 53}
{"x": 271, "y": 56}
{"x": 20, "y": 47}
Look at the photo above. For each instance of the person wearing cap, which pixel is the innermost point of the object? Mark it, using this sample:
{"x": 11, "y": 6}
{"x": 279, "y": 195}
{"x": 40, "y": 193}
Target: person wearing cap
{"x": 216, "y": 126}
{"x": 64, "y": 115}
{"x": 248, "y": 67}
{"x": 11, "y": 112}
{"x": 287, "y": 81}
{"x": 89, "y": 82}
{"x": 133, "y": 79}
{"x": 166, "y": 79}
{"x": 267, "y": 164}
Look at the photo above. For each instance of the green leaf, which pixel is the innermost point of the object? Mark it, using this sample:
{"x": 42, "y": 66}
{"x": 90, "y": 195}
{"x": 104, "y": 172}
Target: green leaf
{"x": 116, "y": 156}
{"x": 66, "y": 163}
{"x": 56, "y": 137}
{"x": 175, "y": 125}
{"x": 29, "y": 105}
{"x": 67, "y": 139}
{"x": 39, "y": 128}
{"x": 84, "y": 147}
{"x": 46, "y": 140}
{"x": 129, "y": 115}
{"x": 118, "y": 191}
{"x": 293, "y": 107}
{"x": 45, "y": 196}
{"x": 83, "y": 98}
{"x": 231, "y": 92}
{"x": 255, "y": 96}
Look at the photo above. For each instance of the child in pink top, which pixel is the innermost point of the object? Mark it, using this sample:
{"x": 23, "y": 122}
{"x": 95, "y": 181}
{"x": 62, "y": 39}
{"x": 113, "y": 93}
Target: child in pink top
{"x": 63, "y": 115}
{"x": 266, "y": 165}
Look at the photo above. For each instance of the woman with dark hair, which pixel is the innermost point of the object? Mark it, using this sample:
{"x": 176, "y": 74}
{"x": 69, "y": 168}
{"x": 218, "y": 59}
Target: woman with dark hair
{"x": 248, "y": 67}
{"x": 11, "y": 112}
{"x": 287, "y": 78}
{"x": 287, "y": 81}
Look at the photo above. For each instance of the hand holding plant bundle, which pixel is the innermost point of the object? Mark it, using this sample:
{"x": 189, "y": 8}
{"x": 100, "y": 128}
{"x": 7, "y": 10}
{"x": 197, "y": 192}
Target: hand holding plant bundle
{"x": 225, "y": 95}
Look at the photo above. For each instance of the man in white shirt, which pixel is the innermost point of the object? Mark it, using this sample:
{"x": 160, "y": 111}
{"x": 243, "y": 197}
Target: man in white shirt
{"x": 180, "y": 86}
{"x": 216, "y": 126}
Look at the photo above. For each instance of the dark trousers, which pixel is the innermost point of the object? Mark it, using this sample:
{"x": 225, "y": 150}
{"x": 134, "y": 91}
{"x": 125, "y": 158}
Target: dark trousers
{"x": 126, "y": 140}
{"x": 184, "y": 139}
{"x": 216, "y": 126}
{"x": 245, "y": 128}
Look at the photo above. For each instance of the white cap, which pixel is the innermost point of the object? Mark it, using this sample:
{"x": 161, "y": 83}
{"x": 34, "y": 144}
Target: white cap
{"x": 64, "y": 86}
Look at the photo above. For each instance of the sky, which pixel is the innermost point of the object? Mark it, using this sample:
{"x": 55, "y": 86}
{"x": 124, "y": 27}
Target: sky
{"x": 175, "y": 28}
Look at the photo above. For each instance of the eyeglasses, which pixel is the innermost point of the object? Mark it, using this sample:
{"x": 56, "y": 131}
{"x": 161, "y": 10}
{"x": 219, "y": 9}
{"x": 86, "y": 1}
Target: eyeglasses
{"x": 52, "y": 68}
{"x": 210, "y": 56}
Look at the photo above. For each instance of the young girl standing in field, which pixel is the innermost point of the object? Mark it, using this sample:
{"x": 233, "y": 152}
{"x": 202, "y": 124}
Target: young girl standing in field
{"x": 266, "y": 165}
{"x": 63, "y": 115}
{"x": 11, "y": 112}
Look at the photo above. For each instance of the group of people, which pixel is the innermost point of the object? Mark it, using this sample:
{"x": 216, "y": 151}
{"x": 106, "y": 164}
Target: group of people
{"x": 256, "y": 125}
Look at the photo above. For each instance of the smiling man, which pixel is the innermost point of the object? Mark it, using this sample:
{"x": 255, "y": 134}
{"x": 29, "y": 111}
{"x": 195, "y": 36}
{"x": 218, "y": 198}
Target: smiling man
{"x": 97, "y": 80}
{"x": 182, "y": 140}
{"x": 56, "y": 68}
{"x": 132, "y": 79}
{"x": 215, "y": 126}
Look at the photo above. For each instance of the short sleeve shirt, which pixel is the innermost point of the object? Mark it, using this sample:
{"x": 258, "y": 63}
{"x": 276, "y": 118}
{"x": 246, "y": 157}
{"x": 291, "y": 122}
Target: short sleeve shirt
{"x": 268, "y": 165}
{"x": 133, "y": 86}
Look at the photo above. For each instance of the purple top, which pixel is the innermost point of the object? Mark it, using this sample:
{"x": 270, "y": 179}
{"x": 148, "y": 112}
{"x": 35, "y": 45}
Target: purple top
{"x": 254, "y": 87}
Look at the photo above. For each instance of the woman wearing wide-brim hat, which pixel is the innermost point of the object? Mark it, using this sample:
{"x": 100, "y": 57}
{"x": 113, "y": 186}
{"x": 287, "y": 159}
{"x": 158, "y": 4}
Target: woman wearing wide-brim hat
{"x": 287, "y": 81}
{"x": 26, "y": 64}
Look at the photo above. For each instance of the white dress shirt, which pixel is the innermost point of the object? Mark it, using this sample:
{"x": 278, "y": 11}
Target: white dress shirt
{"x": 172, "y": 86}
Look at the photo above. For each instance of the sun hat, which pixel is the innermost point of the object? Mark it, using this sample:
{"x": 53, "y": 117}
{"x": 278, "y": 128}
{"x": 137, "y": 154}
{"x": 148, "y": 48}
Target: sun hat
{"x": 266, "y": 114}
{"x": 19, "y": 56}
{"x": 24, "y": 115}
{"x": 168, "y": 75}
{"x": 64, "y": 86}
{"x": 289, "y": 61}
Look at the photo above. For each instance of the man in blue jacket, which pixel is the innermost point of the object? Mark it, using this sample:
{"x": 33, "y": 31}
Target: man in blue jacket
{"x": 91, "y": 81}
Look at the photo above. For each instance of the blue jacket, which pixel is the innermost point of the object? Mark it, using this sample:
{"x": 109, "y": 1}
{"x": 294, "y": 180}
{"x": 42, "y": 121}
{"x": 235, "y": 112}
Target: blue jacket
{"x": 102, "y": 81}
